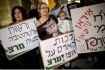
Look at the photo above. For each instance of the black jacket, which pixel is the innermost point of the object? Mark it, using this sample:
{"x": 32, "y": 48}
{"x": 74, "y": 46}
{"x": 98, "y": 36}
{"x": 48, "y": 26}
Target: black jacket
{"x": 34, "y": 13}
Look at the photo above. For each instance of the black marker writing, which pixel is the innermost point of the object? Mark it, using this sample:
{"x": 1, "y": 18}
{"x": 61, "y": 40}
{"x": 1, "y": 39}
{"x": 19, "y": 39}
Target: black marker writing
{"x": 18, "y": 28}
{"x": 22, "y": 35}
{"x": 50, "y": 53}
{"x": 99, "y": 15}
{"x": 59, "y": 49}
{"x": 100, "y": 28}
{"x": 32, "y": 40}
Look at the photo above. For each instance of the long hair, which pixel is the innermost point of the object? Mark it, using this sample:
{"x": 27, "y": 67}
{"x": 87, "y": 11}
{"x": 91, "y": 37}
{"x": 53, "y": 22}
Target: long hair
{"x": 22, "y": 10}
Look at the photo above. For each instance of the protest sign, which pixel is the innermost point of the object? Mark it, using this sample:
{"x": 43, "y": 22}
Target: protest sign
{"x": 58, "y": 51}
{"x": 89, "y": 28}
{"x": 19, "y": 38}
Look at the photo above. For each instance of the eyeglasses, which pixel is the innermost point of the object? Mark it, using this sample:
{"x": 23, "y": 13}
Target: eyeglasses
{"x": 44, "y": 8}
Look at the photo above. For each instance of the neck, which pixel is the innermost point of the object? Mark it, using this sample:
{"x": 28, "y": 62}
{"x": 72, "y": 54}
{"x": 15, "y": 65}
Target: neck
{"x": 44, "y": 16}
{"x": 18, "y": 21}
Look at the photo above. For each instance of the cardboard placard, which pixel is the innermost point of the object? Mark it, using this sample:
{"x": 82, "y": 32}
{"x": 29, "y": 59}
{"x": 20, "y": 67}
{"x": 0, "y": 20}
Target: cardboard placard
{"x": 58, "y": 51}
{"x": 89, "y": 28}
{"x": 19, "y": 38}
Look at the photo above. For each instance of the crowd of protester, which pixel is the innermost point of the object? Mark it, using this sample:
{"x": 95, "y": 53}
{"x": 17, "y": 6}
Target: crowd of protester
{"x": 61, "y": 19}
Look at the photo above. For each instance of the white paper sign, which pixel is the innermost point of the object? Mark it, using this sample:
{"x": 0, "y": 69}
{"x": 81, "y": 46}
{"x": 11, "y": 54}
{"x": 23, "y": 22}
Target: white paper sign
{"x": 19, "y": 38}
{"x": 89, "y": 28}
{"x": 57, "y": 51}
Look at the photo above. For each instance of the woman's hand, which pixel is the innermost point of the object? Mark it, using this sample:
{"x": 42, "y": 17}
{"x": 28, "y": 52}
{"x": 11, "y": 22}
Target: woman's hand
{"x": 55, "y": 34}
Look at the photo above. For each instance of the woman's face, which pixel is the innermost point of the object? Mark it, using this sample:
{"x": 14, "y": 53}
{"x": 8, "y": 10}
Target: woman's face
{"x": 18, "y": 15}
{"x": 44, "y": 9}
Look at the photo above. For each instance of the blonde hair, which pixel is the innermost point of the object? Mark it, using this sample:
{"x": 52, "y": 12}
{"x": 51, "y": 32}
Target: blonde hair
{"x": 40, "y": 4}
{"x": 62, "y": 11}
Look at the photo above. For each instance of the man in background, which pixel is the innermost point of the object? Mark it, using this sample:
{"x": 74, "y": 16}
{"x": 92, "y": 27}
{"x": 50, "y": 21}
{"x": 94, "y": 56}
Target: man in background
{"x": 34, "y": 12}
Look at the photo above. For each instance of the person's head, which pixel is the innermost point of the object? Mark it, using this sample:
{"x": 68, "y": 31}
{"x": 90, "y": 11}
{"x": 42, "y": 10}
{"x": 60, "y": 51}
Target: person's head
{"x": 62, "y": 15}
{"x": 43, "y": 8}
{"x": 18, "y": 14}
{"x": 57, "y": 1}
{"x": 72, "y": 1}
{"x": 35, "y": 2}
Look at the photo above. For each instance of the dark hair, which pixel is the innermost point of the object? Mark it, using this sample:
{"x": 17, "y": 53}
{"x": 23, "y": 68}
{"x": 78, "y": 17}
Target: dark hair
{"x": 22, "y": 10}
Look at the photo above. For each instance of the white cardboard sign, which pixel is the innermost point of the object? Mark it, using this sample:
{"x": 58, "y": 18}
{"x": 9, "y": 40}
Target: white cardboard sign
{"x": 89, "y": 28}
{"x": 57, "y": 51}
{"x": 19, "y": 38}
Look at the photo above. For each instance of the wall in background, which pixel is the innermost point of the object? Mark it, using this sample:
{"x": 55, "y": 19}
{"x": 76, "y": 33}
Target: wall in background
{"x": 5, "y": 10}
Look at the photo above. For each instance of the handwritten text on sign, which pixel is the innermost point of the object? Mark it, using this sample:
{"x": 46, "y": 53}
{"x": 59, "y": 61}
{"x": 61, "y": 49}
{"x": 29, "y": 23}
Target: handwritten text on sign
{"x": 20, "y": 37}
{"x": 58, "y": 50}
{"x": 89, "y": 28}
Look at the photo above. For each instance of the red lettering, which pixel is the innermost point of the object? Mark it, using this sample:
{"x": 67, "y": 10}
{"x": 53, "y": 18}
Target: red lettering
{"x": 92, "y": 43}
{"x": 86, "y": 31}
{"x": 89, "y": 11}
{"x": 86, "y": 40}
{"x": 78, "y": 26}
{"x": 81, "y": 36}
{"x": 80, "y": 22}
{"x": 87, "y": 24}
{"x": 84, "y": 17}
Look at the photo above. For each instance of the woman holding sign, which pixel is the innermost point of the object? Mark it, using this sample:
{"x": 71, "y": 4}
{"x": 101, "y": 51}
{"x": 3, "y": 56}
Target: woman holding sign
{"x": 18, "y": 15}
{"x": 47, "y": 24}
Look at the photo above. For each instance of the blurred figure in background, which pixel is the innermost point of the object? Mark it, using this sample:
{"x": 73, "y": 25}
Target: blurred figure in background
{"x": 34, "y": 12}
{"x": 58, "y": 7}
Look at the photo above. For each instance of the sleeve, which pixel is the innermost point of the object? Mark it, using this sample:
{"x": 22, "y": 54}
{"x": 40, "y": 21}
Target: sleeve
{"x": 43, "y": 34}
